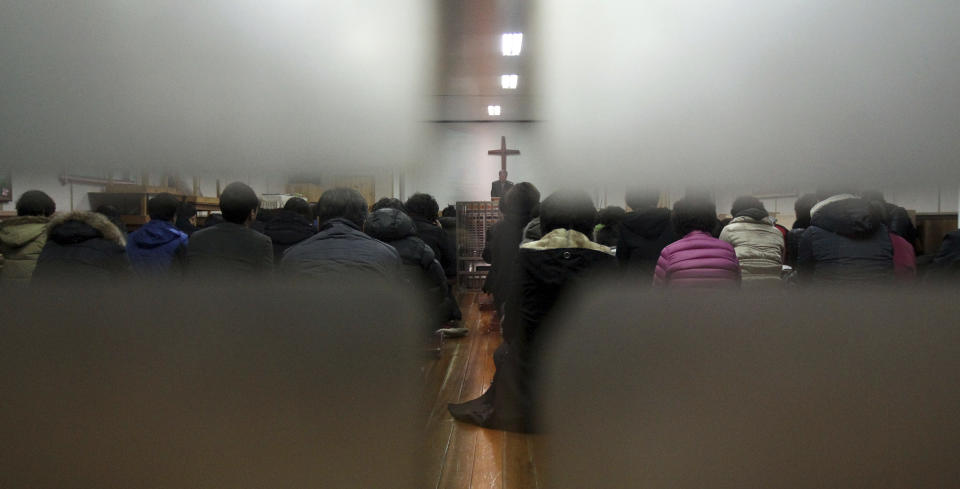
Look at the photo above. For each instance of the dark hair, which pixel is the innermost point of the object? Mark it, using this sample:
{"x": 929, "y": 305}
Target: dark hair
{"x": 186, "y": 211}
{"x": 300, "y": 206}
{"x": 423, "y": 206}
{"x": 802, "y": 209}
{"x": 521, "y": 199}
{"x": 611, "y": 215}
{"x": 449, "y": 211}
{"x": 389, "y": 203}
{"x": 213, "y": 220}
{"x": 639, "y": 197}
{"x": 745, "y": 202}
{"x": 342, "y": 202}
{"x": 237, "y": 201}
{"x": 35, "y": 203}
{"x": 873, "y": 196}
{"x": 694, "y": 214}
{"x": 163, "y": 207}
{"x": 568, "y": 209}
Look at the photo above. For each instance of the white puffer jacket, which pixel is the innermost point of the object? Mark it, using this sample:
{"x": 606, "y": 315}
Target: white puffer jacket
{"x": 759, "y": 246}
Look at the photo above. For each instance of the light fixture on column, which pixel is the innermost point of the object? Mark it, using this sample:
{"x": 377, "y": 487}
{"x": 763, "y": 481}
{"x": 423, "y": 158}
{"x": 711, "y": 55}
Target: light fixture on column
{"x": 511, "y": 43}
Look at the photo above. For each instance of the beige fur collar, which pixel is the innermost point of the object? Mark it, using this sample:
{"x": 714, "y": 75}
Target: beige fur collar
{"x": 564, "y": 238}
{"x": 92, "y": 219}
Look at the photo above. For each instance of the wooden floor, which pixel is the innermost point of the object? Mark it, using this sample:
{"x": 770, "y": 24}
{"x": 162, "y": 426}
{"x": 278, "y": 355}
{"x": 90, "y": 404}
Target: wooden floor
{"x": 459, "y": 455}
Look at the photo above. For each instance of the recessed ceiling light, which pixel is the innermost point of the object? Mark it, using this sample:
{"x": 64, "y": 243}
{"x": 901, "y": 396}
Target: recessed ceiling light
{"x": 509, "y": 81}
{"x": 511, "y": 43}
{"x": 493, "y": 110}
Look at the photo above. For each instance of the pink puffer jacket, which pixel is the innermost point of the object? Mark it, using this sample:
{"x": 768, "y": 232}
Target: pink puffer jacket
{"x": 698, "y": 260}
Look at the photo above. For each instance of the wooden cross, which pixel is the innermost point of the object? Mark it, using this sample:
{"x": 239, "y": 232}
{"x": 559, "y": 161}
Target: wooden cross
{"x": 503, "y": 152}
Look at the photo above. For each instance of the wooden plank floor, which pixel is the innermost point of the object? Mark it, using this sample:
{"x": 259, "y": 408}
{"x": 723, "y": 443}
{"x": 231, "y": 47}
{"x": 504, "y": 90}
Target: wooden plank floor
{"x": 459, "y": 455}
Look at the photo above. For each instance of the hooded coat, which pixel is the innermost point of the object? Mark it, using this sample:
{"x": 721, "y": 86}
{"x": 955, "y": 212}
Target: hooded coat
{"x": 420, "y": 268}
{"x": 758, "y": 243}
{"x": 443, "y": 248}
{"x": 547, "y": 269}
{"x": 82, "y": 246}
{"x": 341, "y": 248}
{"x": 643, "y": 235}
{"x": 698, "y": 260}
{"x": 21, "y": 240}
{"x": 156, "y": 249}
{"x": 286, "y": 229}
{"x": 845, "y": 244}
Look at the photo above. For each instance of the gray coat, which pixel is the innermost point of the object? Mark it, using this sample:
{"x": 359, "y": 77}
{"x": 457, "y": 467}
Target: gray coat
{"x": 340, "y": 247}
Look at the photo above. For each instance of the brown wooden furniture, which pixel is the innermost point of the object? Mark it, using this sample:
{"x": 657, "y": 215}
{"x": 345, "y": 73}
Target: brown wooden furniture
{"x": 931, "y": 227}
{"x": 131, "y": 201}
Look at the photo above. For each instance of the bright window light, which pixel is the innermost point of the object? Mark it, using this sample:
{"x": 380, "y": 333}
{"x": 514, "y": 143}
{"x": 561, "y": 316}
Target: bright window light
{"x": 493, "y": 109}
{"x": 509, "y": 81}
{"x": 511, "y": 42}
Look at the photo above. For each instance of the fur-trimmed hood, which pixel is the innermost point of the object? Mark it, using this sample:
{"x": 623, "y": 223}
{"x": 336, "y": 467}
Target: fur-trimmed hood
{"x": 78, "y": 226}
{"x": 565, "y": 238}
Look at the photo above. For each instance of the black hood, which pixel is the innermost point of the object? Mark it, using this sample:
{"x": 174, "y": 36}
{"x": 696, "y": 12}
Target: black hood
{"x": 648, "y": 223}
{"x": 288, "y": 227}
{"x": 73, "y": 232}
{"x": 847, "y": 217}
{"x": 389, "y": 225}
{"x": 753, "y": 213}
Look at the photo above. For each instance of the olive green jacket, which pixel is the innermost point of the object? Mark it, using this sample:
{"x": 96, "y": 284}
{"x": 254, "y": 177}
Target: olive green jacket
{"x": 21, "y": 240}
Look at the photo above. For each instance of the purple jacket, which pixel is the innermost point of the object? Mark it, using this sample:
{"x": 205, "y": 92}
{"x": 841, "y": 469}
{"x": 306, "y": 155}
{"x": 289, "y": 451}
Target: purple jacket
{"x": 698, "y": 260}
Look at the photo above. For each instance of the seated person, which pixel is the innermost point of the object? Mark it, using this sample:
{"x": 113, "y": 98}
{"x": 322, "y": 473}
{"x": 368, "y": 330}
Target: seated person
{"x": 548, "y": 268}
{"x": 23, "y": 237}
{"x": 289, "y": 226}
{"x": 644, "y": 232}
{"x": 423, "y": 209}
{"x": 341, "y": 247}
{"x": 758, "y": 243}
{"x": 82, "y": 247}
{"x": 697, "y": 259}
{"x": 158, "y": 248}
{"x": 230, "y": 248}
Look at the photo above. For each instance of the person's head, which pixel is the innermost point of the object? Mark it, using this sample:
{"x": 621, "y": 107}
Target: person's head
{"x": 694, "y": 214}
{"x": 449, "y": 211}
{"x": 568, "y": 209}
{"x": 610, "y": 216}
{"x": 873, "y": 196}
{"x": 521, "y": 199}
{"x": 342, "y": 202}
{"x": 239, "y": 203}
{"x": 638, "y": 197}
{"x": 35, "y": 203}
{"x": 745, "y": 202}
{"x": 502, "y": 176}
{"x": 110, "y": 211}
{"x": 163, "y": 207}
{"x": 802, "y": 209}
{"x": 298, "y": 205}
{"x": 423, "y": 206}
{"x": 389, "y": 203}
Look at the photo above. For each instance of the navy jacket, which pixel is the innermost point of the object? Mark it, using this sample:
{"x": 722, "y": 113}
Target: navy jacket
{"x": 157, "y": 248}
{"x": 340, "y": 248}
{"x": 845, "y": 244}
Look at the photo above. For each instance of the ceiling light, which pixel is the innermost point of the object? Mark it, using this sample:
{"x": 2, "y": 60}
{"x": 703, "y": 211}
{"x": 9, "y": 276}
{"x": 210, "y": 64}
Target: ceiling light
{"x": 509, "y": 81}
{"x": 511, "y": 42}
{"x": 493, "y": 110}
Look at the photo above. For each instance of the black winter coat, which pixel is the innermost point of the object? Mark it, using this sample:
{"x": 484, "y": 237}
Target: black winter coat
{"x": 420, "y": 268}
{"x": 845, "y": 244}
{"x": 438, "y": 241}
{"x": 504, "y": 246}
{"x": 82, "y": 246}
{"x": 946, "y": 265}
{"x": 229, "y": 250}
{"x": 286, "y": 229}
{"x": 341, "y": 248}
{"x": 643, "y": 235}
{"x": 899, "y": 223}
{"x": 543, "y": 277}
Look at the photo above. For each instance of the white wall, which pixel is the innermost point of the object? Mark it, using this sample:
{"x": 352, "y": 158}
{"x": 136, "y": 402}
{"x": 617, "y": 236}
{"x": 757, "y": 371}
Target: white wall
{"x": 456, "y": 166}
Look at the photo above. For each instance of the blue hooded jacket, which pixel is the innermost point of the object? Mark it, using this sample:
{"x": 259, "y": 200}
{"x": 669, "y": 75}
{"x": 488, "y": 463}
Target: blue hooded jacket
{"x": 153, "y": 248}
